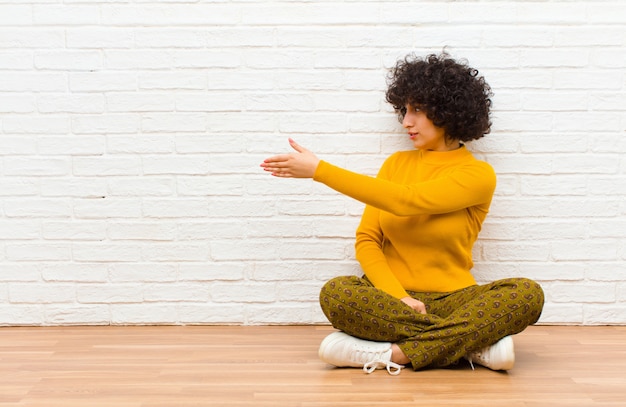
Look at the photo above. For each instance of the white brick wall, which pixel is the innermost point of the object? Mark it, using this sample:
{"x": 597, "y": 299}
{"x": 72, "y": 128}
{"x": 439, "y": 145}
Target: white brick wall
{"x": 131, "y": 134}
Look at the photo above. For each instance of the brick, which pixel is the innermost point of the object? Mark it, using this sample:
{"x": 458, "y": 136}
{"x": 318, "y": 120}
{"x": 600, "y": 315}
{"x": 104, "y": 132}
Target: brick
{"x": 243, "y": 36}
{"x": 249, "y": 250}
{"x": 142, "y": 273}
{"x": 427, "y": 13}
{"x": 175, "y": 292}
{"x": 206, "y": 59}
{"x": 517, "y": 251}
{"x": 140, "y": 144}
{"x": 77, "y": 315}
{"x": 18, "y": 186}
{"x": 40, "y": 293}
{"x": 210, "y": 313}
{"x": 18, "y": 145}
{"x": 17, "y": 103}
{"x": 173, "y": 122}
{"x": 562, "y": 314}
{"x": 313, "y": 123}
{"x": 16, "y": 15}
{"x": 71, "y": 145}
{"x": 134, "y": 59}
{"x": 553, "y": 185}
{"x": 20, "y": 272}
{"x": 596, "y": 250}
{"x": 58, "y": 103}
{"x": 17, "y": 314}
{"x": 105, "y": 252}
{"x": 212, "y": 102}
{"x": 102, "y": 81}
{"x": 589, "y": 293}
{"x": 71, "y": 273}
{"x": 170, "y": 38}
{"x": 603, "y": 314}
{"x": 195, "y": 144}
{"x": 582, "y": 79}
{"x": 35, "y": 37}
{"x": 279, "y": 313}
{"x": 175, "y": 208}
{"x": 36, "y": 125}
{"x": 161, "y": 231}
{"x": 179, "y": 79}
{"x": 154, "y": 313}
{"x": 607, "y": 271}
{"x": 310, "y": 13}
{"x": 68, "y": 60}
{"x": 244, "y": 293}
{"x": 298, "y": 292}
{"x": 81, "y": 231}
{"x": 141, "y": 187}
{"x": 52, "y": 14}
{"x": 37, "y": 208}
{"x": 176, "y": 164}
{"x": 106, "y": 165}
{"x": 105, "y": 124}
{"x": 215, "y": 271}
{"x": 92, "y": 37}
{"x": 139, "y": 102}
{"x": 170, "y": 14}
{"x": 222, "y": 229}
{"x": 105, "y": 207}
{"x": 227, "y": 163}
{"x": 176, "y": 251}
{"x": 314, "y": 81}
{"x": 276, "y": 102}
{"x": 587, "y": 36}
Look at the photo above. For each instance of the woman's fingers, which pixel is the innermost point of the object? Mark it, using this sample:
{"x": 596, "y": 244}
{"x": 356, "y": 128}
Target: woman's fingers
{"x": 296, "y": 146}
{"x": 276, "y": 159}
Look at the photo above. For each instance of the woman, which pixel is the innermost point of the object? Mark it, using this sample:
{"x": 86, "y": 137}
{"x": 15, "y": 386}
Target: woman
{"x": 418, "y": 303}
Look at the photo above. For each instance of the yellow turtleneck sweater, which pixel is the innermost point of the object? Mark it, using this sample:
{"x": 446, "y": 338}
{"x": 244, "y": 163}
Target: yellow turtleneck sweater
{"x": 422, "y": 216}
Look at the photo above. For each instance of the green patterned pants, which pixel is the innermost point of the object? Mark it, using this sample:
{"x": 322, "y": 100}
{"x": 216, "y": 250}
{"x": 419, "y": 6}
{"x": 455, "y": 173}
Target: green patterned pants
{"x": 456, "y": 322}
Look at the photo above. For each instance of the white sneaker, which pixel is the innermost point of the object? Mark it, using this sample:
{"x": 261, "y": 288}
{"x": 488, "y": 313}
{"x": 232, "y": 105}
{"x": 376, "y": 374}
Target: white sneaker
{"x": 342, "y": 350}
{"x": 499, "y": 356}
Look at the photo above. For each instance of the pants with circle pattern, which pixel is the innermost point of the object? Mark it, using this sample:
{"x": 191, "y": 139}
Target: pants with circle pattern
{"x": 456, "y": 323}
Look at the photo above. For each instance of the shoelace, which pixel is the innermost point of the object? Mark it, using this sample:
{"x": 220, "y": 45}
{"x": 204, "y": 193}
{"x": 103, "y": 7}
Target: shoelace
{"x": 471, "y": 363}
{"x": 370, "y": 366}
{"x": 476, "y": 355}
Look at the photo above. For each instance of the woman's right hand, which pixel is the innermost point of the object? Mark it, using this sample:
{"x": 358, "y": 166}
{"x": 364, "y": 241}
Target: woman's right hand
{"x": 417, "y": 305}
{"x": 301, "y": 164}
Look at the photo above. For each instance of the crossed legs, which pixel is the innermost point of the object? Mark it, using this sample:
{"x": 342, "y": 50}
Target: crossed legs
{"x": 456, "y": 323}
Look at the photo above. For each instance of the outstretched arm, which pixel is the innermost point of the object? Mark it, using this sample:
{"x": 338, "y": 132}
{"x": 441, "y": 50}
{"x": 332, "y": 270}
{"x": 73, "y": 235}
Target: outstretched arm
{"x": 301, "y": 164}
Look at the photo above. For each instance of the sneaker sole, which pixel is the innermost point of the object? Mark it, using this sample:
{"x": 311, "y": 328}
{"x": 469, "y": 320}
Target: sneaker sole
{"x": 506, "y": 352}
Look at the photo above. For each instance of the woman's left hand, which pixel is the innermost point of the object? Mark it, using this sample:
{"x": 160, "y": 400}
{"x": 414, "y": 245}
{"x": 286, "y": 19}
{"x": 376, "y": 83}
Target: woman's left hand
{"x": 417, "y": 305}
{"x": 301, "y": 164}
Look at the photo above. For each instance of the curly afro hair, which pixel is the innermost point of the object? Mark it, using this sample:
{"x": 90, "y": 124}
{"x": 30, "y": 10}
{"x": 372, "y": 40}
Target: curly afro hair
{"x": 451, "y": 94}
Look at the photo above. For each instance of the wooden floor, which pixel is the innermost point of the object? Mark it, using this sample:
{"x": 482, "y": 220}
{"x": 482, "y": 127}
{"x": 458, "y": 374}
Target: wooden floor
{"x": 275, "y": 366}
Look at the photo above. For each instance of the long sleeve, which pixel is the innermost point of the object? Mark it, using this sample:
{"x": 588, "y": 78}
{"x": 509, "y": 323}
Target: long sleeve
{"x": 462, "y": 188}
{"x": 369, "y": 253}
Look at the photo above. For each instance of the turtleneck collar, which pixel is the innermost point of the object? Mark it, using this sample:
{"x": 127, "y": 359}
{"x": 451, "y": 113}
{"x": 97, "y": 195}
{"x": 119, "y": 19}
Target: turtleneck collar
{"x": 442, "y": 157}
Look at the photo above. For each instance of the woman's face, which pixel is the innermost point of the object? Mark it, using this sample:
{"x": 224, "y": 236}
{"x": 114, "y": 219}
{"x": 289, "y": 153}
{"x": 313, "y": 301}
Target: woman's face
{"x": 424, "y": 134}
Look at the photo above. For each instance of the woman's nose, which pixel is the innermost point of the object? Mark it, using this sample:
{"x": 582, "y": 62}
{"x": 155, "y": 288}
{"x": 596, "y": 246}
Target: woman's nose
{"x": 407, "y": 120}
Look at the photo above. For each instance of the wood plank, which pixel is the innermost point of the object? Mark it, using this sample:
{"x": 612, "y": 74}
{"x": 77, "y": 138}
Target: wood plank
{"x": 185, "y": 366}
